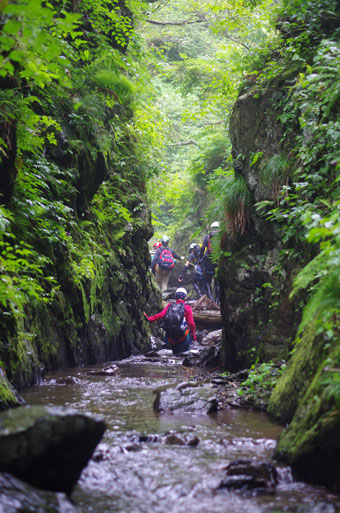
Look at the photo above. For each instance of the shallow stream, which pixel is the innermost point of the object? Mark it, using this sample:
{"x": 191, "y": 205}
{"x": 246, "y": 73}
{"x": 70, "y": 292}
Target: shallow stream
{"x": 129, "y": 476}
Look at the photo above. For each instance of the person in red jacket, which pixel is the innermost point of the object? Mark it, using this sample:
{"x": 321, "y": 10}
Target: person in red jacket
{"x": 180, "y": 326}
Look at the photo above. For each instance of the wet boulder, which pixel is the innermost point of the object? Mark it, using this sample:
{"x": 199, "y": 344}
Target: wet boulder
{"x": 110, "y": 370}
{"x": 186, "y": 399}
{"x": 250, "y": 477}
{"x": 207, "y": 357}
{"x": 152, "y": 354}
{"x": 47, "y": 446}
{"x": 18, "y": 497}
{"x": 212, "y": 337}
{"x": 169, "y": 438}
{"x": 174, "y": 438}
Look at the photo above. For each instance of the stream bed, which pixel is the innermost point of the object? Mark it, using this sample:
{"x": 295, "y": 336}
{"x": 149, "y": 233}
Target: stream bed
{"x": 127, "y": 475}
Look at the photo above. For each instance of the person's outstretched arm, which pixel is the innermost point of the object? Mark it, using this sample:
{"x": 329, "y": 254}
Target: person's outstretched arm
{"x": 157, "y": 316}
{"x": 174, "y": 254}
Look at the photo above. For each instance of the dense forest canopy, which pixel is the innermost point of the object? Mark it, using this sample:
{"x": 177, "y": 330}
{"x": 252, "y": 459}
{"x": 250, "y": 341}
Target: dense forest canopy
{"x": 200, "y": 52}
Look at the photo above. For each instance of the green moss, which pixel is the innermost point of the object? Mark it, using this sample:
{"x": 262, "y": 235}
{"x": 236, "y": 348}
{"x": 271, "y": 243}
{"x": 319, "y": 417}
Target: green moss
{"x": 86, "y": 305}
{"x": 297, "y": 377}
{"x": 274, "y": 173}
{"x": 8, "y": 398}
{"x": 311, "y": 443}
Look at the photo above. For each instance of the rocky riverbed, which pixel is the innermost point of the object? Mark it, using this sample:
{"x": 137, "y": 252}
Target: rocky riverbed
{"x": 178, "y": 438}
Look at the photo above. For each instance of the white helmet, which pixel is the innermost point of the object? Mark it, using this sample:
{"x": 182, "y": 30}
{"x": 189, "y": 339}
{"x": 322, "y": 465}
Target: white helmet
{"x": 181, "y": 291}
{"x": 193, "y": 245}
{"x": 215, "y": 224}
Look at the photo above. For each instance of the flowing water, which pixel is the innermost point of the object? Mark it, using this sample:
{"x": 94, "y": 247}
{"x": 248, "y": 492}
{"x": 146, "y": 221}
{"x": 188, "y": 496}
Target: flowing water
{"x": 129, "y": 476}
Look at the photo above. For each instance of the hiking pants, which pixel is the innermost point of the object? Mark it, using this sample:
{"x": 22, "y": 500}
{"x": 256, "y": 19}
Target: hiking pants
{"x": 181, "y": 347}
{"x": 162, "y": 278}
{"x": 199, "y": 284}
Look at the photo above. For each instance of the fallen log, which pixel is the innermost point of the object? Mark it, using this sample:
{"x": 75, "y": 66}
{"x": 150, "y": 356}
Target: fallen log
{"x": 207, "y": 317}
{"x": 206, "y": 312}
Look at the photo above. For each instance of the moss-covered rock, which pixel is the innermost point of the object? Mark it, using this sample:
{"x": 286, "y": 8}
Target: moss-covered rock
{"x": 80, "y": 279}
{"x": 311, "y": 443}
{"x": 9, "y": 397}
{"x": 295, "y": 381}
{"x": 255, "y": 271}
{"x": 48, "y": 447}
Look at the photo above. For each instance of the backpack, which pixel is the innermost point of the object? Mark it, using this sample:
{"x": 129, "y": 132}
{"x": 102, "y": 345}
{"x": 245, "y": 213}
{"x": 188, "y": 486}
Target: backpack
{"x": 175, "y": 324}
{"x": 166, "y": 259}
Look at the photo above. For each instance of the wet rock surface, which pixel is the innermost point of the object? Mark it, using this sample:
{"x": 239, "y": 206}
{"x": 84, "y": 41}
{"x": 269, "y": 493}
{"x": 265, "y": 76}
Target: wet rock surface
{"x": 9, "y": 397}
{"x": 190, "y": 398}
{"x": 211, "y": 338}
{"x": 207, "y": 357}
{"x": 110, "y": 370}
{"x": 170, "y": 438}
{"x": 249, "y": 476}
{"x": 47, "y": 446}
{"x": 19, "y": 497}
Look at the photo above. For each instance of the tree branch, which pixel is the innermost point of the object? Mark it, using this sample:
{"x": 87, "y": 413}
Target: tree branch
{"x": 238, "y": 42}
{"x": 178, "y": 23}
{"x": 184, "y": 143}
{"x": 212, "y": 123}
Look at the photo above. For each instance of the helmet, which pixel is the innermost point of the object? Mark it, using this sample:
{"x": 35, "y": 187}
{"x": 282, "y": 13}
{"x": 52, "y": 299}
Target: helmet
{"x": 214, "y": 227}
{"x": 193, "y": 245}
{"x": 165, "y": 240}
{"x": 157, "y": 245}
{"x": 181, "y": 293}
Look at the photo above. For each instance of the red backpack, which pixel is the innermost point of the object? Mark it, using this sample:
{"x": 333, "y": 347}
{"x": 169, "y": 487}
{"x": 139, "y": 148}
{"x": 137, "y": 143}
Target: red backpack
{"x": 166, "y": 259}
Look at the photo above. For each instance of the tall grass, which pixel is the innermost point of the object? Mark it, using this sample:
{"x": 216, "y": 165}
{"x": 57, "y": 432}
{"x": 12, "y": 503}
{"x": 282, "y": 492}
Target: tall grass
{"x": 236, "y": 205}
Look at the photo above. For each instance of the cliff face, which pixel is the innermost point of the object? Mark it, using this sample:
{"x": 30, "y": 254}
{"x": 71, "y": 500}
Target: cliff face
{"x": 280, "y": 270}
{"x": 100, "y": 281}
{"x": 256, "y": 270}
{"x": 74, "y": 223}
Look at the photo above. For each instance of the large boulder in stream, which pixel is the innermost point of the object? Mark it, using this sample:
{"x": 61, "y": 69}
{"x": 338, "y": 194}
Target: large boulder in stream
{"x": 18, "y": 497}
{"x": 207, "y": 357}
{"x": 47, "y": 446}
{"x": 250, "y": 477}
{"x": 186, "y": 398}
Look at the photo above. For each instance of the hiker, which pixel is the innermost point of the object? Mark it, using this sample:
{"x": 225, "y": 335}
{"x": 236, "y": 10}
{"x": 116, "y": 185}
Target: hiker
{"x": 155, "y": 246}
{"x": 163, "y": 262}
{"x": 193, "y": 263}
{"x": 179, "y": 323}
{"x": 207, "y": 263}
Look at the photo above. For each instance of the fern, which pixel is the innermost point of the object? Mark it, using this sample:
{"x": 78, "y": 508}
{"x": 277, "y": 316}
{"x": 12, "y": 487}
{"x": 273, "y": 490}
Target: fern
{"x": 120, "y": 85}
{"x": 274, "y": 174}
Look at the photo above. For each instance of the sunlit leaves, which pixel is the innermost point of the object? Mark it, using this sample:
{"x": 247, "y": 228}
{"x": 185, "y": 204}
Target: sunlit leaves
{"x": 201, "y": 63}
